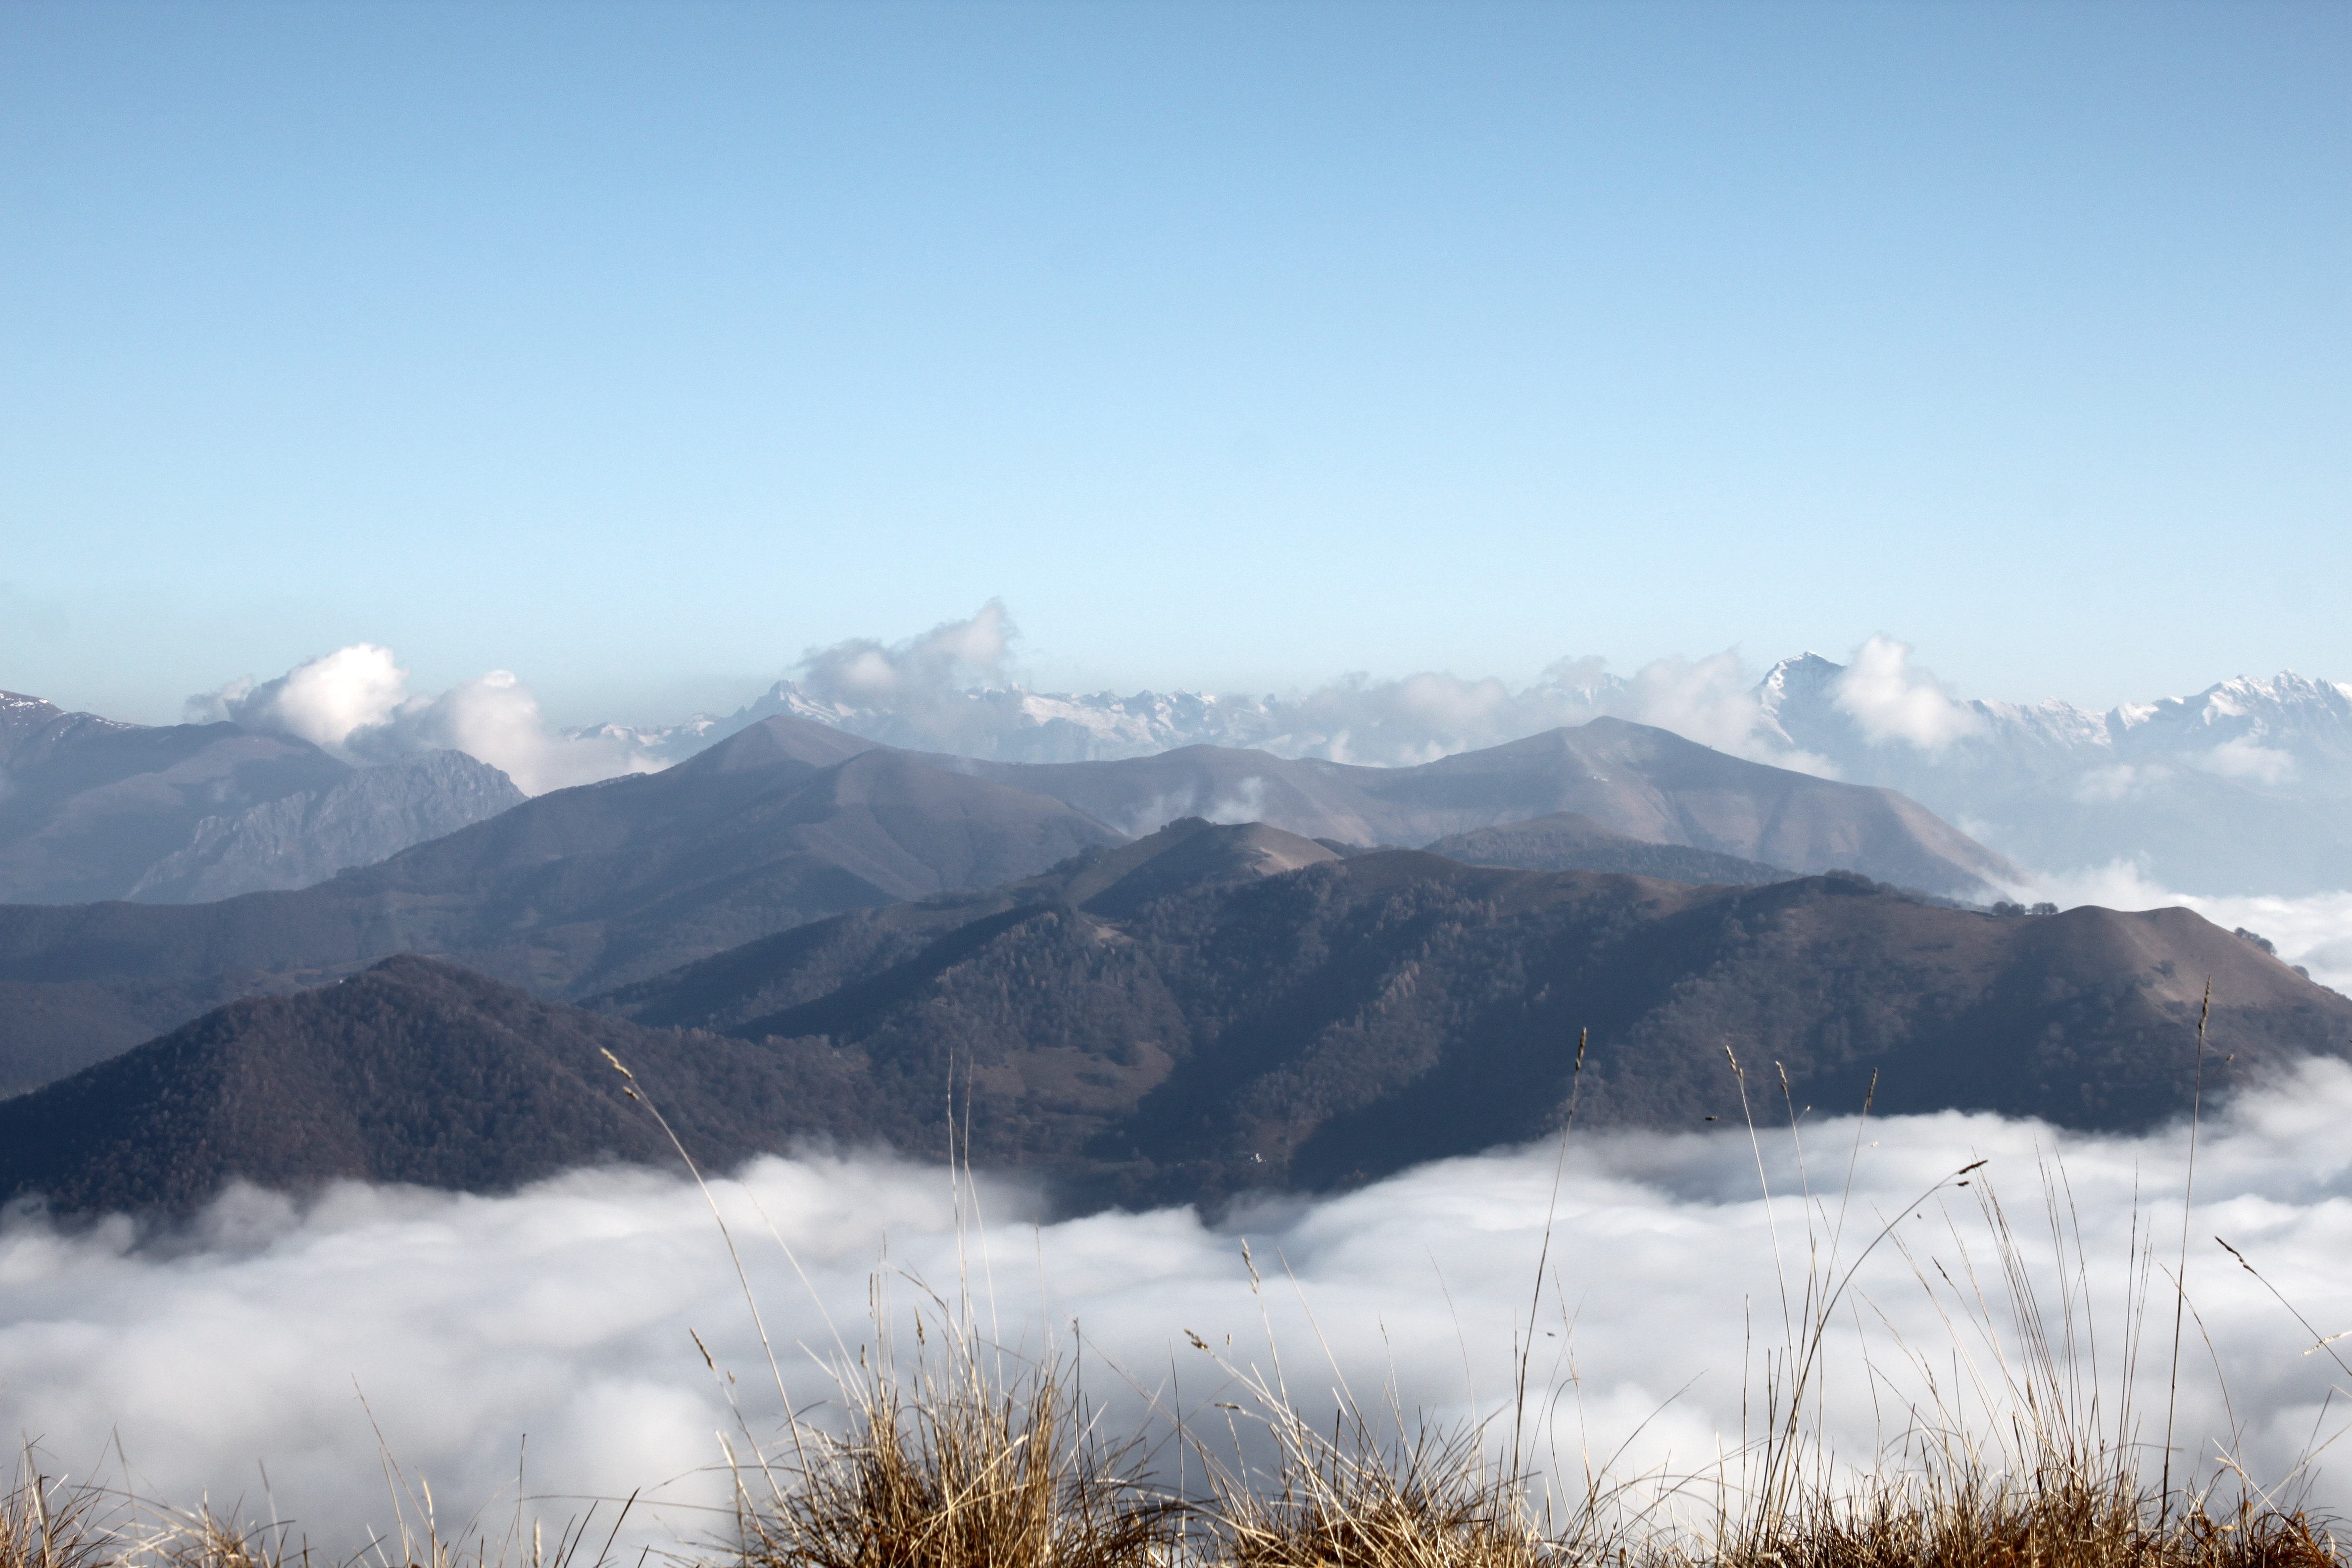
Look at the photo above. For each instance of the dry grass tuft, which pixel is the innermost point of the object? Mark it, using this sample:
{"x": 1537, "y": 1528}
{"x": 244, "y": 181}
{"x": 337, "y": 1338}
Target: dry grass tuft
{"x": 202, "y": 1539}
{"x": 2068, "y": 1521}
{"x": 959, "y": 1470}
{"x": 1351, "y": 1501}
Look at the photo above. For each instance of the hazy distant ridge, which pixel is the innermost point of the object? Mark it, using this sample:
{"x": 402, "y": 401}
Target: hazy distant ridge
{"x": 2236, "y": 788}
{"x": 92, "y": 808}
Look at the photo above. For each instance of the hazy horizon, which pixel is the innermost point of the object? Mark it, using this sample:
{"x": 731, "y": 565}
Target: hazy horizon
{"x": 1019, "y": 667}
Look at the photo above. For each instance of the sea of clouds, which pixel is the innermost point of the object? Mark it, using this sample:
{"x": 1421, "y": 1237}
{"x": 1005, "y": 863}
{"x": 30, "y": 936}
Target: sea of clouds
{"x": 540, "y": 1346}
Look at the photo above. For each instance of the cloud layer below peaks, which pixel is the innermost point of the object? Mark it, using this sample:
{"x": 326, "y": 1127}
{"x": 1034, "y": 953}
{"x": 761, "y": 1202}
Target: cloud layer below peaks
{"x": 571, "y": 1311}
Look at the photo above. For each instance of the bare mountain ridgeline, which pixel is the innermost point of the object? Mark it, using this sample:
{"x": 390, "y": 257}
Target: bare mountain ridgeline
{"x": 95, "y": 809}
{"x": 787, "y": 821}
{"x": 1644, "y": 783}
{"x": 90, "y": 808}
{"x": 1209, "y": 1011}
{"x": 299, "y": 840}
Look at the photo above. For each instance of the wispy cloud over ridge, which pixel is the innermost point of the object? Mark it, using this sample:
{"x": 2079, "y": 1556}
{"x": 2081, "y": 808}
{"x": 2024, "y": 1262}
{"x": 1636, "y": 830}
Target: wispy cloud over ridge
{"x": 355, "y": 702}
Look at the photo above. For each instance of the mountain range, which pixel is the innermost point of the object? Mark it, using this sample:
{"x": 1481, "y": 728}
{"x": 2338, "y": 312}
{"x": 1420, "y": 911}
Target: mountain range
{"x": 2240, "y": 789}
{"x": 2237, "y": 789}
{"x": 571, "y": 891}
{"x": 1217, "y": 1008}
{"x": 1205, "y": 1013}
{"x": 1192, "y": 975}
{"x": 580, "y": 890}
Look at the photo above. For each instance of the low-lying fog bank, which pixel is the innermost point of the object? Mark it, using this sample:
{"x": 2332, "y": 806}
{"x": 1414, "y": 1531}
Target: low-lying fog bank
{"x": 563, "y": 1312}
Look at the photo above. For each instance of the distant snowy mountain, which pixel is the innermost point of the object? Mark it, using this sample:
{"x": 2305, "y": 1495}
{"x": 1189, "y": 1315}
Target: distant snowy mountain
{"x": 2286, "y": 731}
{"x": 998, "y": 723}
{"x": 2245, "y": 787}
{"x": 1392, "y": 724}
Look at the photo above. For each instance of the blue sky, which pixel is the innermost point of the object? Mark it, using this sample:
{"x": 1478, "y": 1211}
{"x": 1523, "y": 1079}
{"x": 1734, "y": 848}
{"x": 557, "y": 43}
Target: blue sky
{"x": 639, "y": 348}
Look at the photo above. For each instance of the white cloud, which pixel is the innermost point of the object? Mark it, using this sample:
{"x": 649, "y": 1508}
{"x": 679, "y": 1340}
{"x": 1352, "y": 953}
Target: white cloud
{"x": 356, "y": 703}
{"x": 1711, "y": 701}
{"x": 2243, "y": 758}
{"x": 563, "y": 1312}
{"x": 2105, "y": 786}
{"x": 920, "y": 670}
{"x": 1417, "y": 718}
{"x": 1891, "y": 700}
{"x": 324, "y": 700}
{"x": 495, "y": 717}
{"x": 1245, "y": 804}
{"x": 921, "y": 692}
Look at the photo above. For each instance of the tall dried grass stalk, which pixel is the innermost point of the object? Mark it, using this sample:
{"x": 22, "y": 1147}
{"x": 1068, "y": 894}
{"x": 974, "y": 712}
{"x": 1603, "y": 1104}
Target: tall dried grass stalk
{"x": 48, "y": 1523}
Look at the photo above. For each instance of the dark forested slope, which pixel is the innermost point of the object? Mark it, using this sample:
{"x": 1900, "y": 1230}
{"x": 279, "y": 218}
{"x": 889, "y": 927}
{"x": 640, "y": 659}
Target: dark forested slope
{"x": 1355, "y": 1016}
{"x": 1571, "y": 841}
{"x": 1201, "y": 1013}
{"x": 411, "y": 1072}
